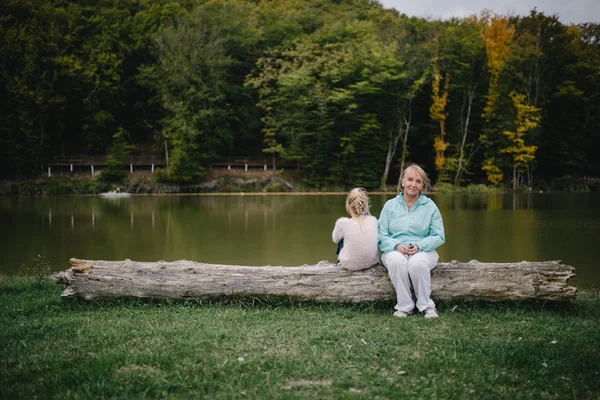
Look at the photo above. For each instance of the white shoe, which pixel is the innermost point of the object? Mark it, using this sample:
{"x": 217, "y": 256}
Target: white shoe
{"x": 430, "y": 313}
{"x": 401, "y": 314}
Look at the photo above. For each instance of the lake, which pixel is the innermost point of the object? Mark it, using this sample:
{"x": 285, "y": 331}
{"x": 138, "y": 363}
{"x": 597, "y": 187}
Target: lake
{"x": 289, "y": 230}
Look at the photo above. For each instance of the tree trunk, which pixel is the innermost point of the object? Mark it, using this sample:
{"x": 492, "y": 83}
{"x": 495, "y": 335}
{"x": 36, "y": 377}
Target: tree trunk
{"x": 464, "y": 134}
{"x": 388, "y": 160}
{"x": 325, "y": 282}
{"x": 403, "y": 159}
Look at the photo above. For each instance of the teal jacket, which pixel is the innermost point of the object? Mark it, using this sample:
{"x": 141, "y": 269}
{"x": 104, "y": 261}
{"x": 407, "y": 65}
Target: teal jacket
{"x": 422, "y": 225}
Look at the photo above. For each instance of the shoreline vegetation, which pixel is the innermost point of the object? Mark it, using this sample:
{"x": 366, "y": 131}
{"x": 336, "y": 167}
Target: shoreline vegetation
{"x": 232, "y": 182}
{"x": 276, "y": 348}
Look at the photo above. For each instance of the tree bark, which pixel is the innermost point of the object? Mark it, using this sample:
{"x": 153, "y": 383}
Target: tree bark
{"x": 464, "y": 133}
{"x": 323, "y": 282}
{"x": 388, "y": 160}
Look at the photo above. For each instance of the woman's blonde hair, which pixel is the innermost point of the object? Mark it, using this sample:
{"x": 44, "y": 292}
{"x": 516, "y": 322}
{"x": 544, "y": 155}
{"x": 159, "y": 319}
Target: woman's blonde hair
{"x": 424, "y": 177}
{"x": 357, "y": 205}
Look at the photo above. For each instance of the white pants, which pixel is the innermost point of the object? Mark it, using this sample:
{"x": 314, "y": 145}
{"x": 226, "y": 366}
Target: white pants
{"x": 404, "y": 269}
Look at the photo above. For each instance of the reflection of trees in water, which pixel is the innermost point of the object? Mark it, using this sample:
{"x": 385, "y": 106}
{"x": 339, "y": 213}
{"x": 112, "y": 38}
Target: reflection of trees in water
{"x": 493, "y": 201}
{"x": 252, "y": 204}
{"x": 258, "y": 204}
{"x": 491, "y": 227}
{"x": 483, "y": 201}
{"x": 89, "y": 211}
{"x": 247, "y": 209}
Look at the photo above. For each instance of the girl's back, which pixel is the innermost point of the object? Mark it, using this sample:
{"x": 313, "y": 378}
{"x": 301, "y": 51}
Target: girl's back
{"x": 360, "y": 247}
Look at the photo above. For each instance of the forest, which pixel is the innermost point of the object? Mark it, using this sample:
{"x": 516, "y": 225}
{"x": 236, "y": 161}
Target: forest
{"x": 345, "y": 90}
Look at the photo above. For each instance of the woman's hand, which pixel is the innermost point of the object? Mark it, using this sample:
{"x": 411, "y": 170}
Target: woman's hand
{"x": 402, "y": 249}
{"x": 412, "y": 249}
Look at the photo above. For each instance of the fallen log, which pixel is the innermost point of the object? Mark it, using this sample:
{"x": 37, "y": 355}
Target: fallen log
{"x": 324, "y": 282}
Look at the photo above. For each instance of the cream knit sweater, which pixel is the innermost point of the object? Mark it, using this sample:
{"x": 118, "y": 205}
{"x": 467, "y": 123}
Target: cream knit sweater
{"x": 360, "y": 248}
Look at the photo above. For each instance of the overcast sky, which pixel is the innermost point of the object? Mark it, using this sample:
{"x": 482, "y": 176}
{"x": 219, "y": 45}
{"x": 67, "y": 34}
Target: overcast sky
{"x": 568, "y": 11}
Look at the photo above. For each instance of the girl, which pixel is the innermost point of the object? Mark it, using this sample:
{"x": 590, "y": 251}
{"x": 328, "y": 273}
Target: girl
{"x": 357, "y": 235}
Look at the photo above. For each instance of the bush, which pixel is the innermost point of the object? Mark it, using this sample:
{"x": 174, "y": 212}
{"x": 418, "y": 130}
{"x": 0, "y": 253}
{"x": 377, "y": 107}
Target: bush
{"x": 89, "y": 186}
{"x": 160, "y": 176}
{"x": 566, "y": 183}
{"x": 451, "y": 188}
{"x": 274, "y": 188}
{"x": 114, "y": 168}
{"x": 53, "y": 187}
{"x": 39, "y": 269}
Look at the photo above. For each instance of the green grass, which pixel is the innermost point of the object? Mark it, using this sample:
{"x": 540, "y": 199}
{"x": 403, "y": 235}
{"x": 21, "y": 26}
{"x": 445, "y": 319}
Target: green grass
{"x": 248, "y": 348}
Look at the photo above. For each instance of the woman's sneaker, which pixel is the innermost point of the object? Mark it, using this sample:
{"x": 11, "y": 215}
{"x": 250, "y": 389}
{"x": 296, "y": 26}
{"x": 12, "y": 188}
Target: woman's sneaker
{"x": 430, "y": 313}
{"x": 401, "y": 314}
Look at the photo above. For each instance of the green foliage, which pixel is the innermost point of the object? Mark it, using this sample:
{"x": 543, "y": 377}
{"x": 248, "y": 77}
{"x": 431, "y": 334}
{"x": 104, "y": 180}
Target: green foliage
{"x": 566, "y": 183}
{"x": 114, "y": 162}
{"x": 275, "y": 188}
{"x": 473, "y": 189}
{"x": 321, "y": 84}
{"x": 160, "y": 176}
{"x": 326, "y": 104}
{"x": 52, "y": 186}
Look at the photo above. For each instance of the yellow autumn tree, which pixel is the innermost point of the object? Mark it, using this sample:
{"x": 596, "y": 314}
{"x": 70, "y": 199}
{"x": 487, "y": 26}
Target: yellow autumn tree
{"x": 437, "y": 112}
{"x": 493, "y": 172}
{"x": 528, "y": 117}
{"x": 496, "y": 35}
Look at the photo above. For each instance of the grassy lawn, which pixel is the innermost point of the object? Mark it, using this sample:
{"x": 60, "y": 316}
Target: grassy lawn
{"x": 67, "y": 349}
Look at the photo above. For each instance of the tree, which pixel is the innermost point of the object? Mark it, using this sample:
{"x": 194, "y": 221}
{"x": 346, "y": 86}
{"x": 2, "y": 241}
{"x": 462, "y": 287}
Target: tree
{"x": 527, "y": 118}
{"x": 412, "y": 38}
{"x": 197, "y": 60}
{"x": 30, "y": 38}
{"x": 438, "y": 113}
{"x": 189, "y": 77}
{"x": 325, "y": 100}
{"x": 497, "y": 36}
{"x": 403, "y": 129}
{"x": 120, "y": 149}
{"x": 464, "y": 58}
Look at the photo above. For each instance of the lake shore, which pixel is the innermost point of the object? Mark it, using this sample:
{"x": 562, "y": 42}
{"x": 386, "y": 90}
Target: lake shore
{"x": 217, "y": 181}
{"x": 274, "y": 348}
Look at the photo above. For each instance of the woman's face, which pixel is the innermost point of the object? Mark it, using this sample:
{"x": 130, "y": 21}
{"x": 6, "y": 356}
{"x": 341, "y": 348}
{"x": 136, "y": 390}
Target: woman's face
{"x": 412, "y": 183}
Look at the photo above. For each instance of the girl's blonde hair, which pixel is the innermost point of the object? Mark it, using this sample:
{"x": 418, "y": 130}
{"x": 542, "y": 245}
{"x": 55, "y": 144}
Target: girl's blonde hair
{"x": 424, "y": 177}
{"x": 357, "y": 205}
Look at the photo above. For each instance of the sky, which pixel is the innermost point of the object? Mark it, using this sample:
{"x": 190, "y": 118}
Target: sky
{"x": 568, "y": 11}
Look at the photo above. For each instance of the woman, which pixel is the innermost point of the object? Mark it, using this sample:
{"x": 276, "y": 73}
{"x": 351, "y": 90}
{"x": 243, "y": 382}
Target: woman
{"x": 410, "y": 229}
{"x": 357, "y": 235}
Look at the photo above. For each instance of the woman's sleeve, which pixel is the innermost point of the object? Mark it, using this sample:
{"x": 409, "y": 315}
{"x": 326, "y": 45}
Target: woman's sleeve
{"x": 386, "y": 242}
{"x": 436, "y": 235}
{"x": 338, "y": 231}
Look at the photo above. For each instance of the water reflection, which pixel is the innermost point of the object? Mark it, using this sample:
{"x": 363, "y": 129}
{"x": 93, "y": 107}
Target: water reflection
{"x": 488, "y": 202}
{"x": 289, "y": 230}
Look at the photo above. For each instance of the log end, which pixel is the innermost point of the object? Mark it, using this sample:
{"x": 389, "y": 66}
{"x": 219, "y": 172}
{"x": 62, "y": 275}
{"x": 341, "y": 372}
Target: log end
{"x": 68, "y": 292}
{"x": 62, "y": 277}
